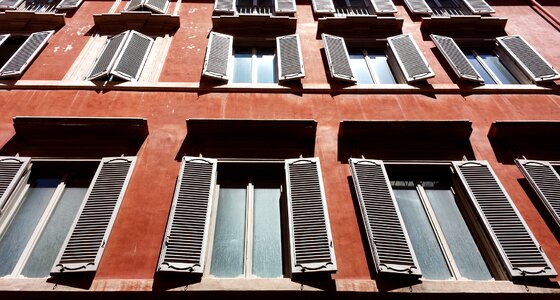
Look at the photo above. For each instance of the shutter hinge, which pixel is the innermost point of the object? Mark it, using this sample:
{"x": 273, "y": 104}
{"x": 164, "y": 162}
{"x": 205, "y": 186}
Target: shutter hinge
{"x": 103, "y": 244}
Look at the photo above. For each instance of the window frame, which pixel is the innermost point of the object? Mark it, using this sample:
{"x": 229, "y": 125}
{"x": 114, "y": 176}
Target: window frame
{"x": 374, "y": 72}
{"x": 491, "y": 73}
{"x": 255, "y": 66}
{"x": 56, "y": 8}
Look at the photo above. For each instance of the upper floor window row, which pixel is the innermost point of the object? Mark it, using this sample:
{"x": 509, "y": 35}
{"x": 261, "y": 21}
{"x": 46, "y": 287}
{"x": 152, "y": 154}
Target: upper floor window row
{"x": 444, "y": 8}
{"x": 255, "y": 7}
{"x": 40, "y": 5}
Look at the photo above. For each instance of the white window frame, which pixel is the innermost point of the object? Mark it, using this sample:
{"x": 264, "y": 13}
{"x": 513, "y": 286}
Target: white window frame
{"x": 254, "y": 66}
{"x": 373, "y": 71}
{"x": 522, "y": 80}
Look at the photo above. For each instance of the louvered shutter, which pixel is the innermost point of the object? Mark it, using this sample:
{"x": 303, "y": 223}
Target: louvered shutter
{"x": 388, "y": 239}
{"x": 86, "y": 241}
{"x": 290, "y": 61}
{"x": 413, "y": 64}
{"x": 224, "y": 6}
{"x": 310, "y": 235}
{"x": 159, "y": 6}
{"x": 134, "y": 5}
{"x": 10, "y": 4}
{"x": 479, "y": 7}
{"x": 68, "y": 4}
{"x": 11, "y": 170}
{"x": 456, "y": 58}
{"x": 518, "y": 249}
{"x": 323, "y": 6}
{"x": 106, "y": 60}
{"x": 418, "y": 6}
{"x": 186, "y": 237}
{"x": 285, "y": 6}
{"x": 25, "y": 54}
{"x": 530, "y": 61}
{"x": 3, "y": 38}
{"x": 338, "y": 58}
{"x": 546, "y": 183}
{"x": 383, "y": 6}
{"x": 216, "y": 63}
{"x": 133, "y": 56}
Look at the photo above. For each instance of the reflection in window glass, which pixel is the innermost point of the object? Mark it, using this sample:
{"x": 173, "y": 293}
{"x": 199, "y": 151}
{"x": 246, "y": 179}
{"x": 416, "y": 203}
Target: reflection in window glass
{"x": 371, "y": 67}
{"x": 242, "y": 67}
{"x": 479, "y": 68}
{"x": 266, "y": 67}
{"x": 379, "y": 62}
{"x": 360, "y": 69}
{"x": 267, "y": 237}
{"x": 498, "y": 68}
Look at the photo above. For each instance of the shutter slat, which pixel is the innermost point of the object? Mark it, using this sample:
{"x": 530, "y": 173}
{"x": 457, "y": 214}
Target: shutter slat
{"x": 530, "y": 61}
{"x": 323, "y": 6}
{"x": 86, "y": 241}
{"x": 68, "y": 4}
{"x": 456, "y": 58}
{"x": 108, "y": 56}
{"x": 134, "y": 5}
{"x": 159, "y": 6}
{"x": 10, "y": 4}
{"x": 383, "y": 6}
{"x": 388, "y": 239}
{"x": 338, "y": 58}
{"x": 285, "y": 6}
{"x": 310, "y": 235}
{"x": 3, "y": 38}
{"x": 133, "y": 56}
{"x": 224, "y": 6}
{"x": 518, "y": 249}
{"x": 479, "y": 7}
{"x": 413, "y": 64}
{"x": 216, "y": 63}
{"x": 290, "y": 61}
{"x": 186, "y": 236}
{"x": 418, "y": 6}
{"x": 25, "y": 54}
{"x": 11, "y": 171}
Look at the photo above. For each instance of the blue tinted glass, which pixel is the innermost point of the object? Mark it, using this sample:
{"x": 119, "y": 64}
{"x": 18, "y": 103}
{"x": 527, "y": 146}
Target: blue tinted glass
{"x": 497, "y": 67}
{"x": 378, "y": 61}
{"x": 242, "y": 67}
{"x": 360, "y": 69}
{"x": 266, "y": 67}
{"x": 479, "y": 68}
{"x": 267, "y": 237}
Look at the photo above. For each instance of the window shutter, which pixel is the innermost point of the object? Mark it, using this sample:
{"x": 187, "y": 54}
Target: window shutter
{"x": 387, "y": 235}
{"x": 10, "y": 4}
{"x": 285, "y": 6}
{"x": 25, "y": 54}
{"x": 224, "y": 6}
{"x": 86, "y": 241}
{"x": 323, "y": 6}
{"x": 186, "y": 237}
{"x": 11, "y": 170}
{"x": 134, "y": 5}
{"x": 68, "y": 4}
{"x": 290, "y": 61}
{"x": 546, "y": 183}
{"x": 518, "y": 249}
{"x": 159, "y": 6}
{"x": 479, "y": 7}
{"x": 310, "y": 235}
{"x": 338, "y": 58}
{"x": 531, "y": 62}
{"x": 3, "y": 38}
{"x": 106, "y": 60}
{"x": 216, "y": 63}
{"x": 133, "y": 56}
{"x": 456, "y": 58}
{"x": 418, "y": 6}
{"x": 405, "y": 52}
{"x": 383, "y": 6}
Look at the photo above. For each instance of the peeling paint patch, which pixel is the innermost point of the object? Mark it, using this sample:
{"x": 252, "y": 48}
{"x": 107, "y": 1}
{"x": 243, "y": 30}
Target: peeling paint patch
{"x": 190, "y": 47}
{"x": 56, "y": 49}
{"x": 68, "y": 48}
{"x": 193, "y": 10}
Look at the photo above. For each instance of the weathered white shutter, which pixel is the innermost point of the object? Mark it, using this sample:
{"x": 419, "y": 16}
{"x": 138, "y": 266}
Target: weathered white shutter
{"x": 528, "y": 59}
{"x": 220, "y": 49}
{"x": 383, "y": 6}
{"x": 224, "y": 6}
{"x": 159, "y": 6}
{"x": 323, "y": 6}
{"x": 388, "y": 239}
{"x": 310, "y": 234}
{"x": 337, "y": 57}
{"x": 405, "y": 52}
{"x": 418, "y": 6}
{"x": 11, "y": 170}
{"x": 108, "y": 56}
{"x": 86, "y": 241}
{"x": 186, "y": 237}
{"x": 134, "y": 5}
{"x": 133, "y": 56}
{"x": 479, "y": 7}
{"x": 68, "y": 4}
{"x": 456, "y": 58}
{"x": 546, "y": 183}
{"x": 285, "y": 6}
{"x": 518, "y": 249}
{"x": 10, "y": 4}
{"x": 25, "y": 54}
{"x": 290, "y": 61}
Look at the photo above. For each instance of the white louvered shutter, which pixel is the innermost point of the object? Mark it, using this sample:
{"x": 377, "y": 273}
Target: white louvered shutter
{"x": 86, "y": 240}
{"x": 134, "y": 5}
{"x": 388, "y": 239}
{"x": 108, "y": 56}
{"x": 383, "y": 6}
{"x": 186, "y": 236}
{"x": 290, "y": 61}
{"x": 479, "y": 7}
{"x": 411, "y": 61}
{"x": 518, "y": 249}
{"x": 456, "y": 58}
{"x": 224, "y": 6}
{"x": 68, "y": 4}
{"x": 528, "y": 59}
{"x": 310, "y": 234}
{"x": 546, "y": 182}
{"x": 159, "y": 6}
{"x": 11, "y": 170}
{"x": 323, "y": 6}
{"x": 10, "y": 4}
{"x": 218, "y": 53}
{"x": 285, "y": 6}
{"x": 133, "y": 56}
{"x": 338, "y": 58}
{"x": 25, "y": 54}
{"x": 418, "y": 6}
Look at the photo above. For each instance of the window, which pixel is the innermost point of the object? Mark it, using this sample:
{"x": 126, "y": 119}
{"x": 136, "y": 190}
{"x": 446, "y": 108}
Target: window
{"x": 17, "y": 51}
{"x": 488, "y": 64}
{"x": 39, "y": 5}
{"x": 254, "y": 66}
{"x": 445, "y": 8}
{"x": 255, "y": 7}
{"x": 353, "y": 8}
{"x": 371, "y": 66}
{"x": 343, "y": 8}
{"x": 156, "y": 6}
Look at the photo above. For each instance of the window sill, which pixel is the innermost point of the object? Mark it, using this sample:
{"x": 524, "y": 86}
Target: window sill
{"x": 15, "y": 20}
{"x": 141, "y": 21}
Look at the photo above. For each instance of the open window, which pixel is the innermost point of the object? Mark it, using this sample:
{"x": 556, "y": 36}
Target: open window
{"x": 40, "y": 5}
{"x": 18, "y": 51}
{"x": 445, "y": 8}
{"x": 155, "y": 6}
{"x": 343, "y": 8}
{"x": 255, "y": 7}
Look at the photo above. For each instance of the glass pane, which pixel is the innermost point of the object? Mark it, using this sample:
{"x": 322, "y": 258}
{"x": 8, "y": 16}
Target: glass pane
{"x": 381, "y": 66}
{"x": 24, "y": 222}
{"x": 242, "y": 67}
{"x": 423, "y": 239}
{"x": 460, "y": 241}
{"x": 229, "y": 235}
{"x": 266, "y": 67}
{"x": 360, "y": 69}
{"x": 479, "y": 68}
{"x": 357, "y": 3}
{"x": 244, "y": 2}
{"x": 497, "y": 67}
{"x": 267, "y": 238}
